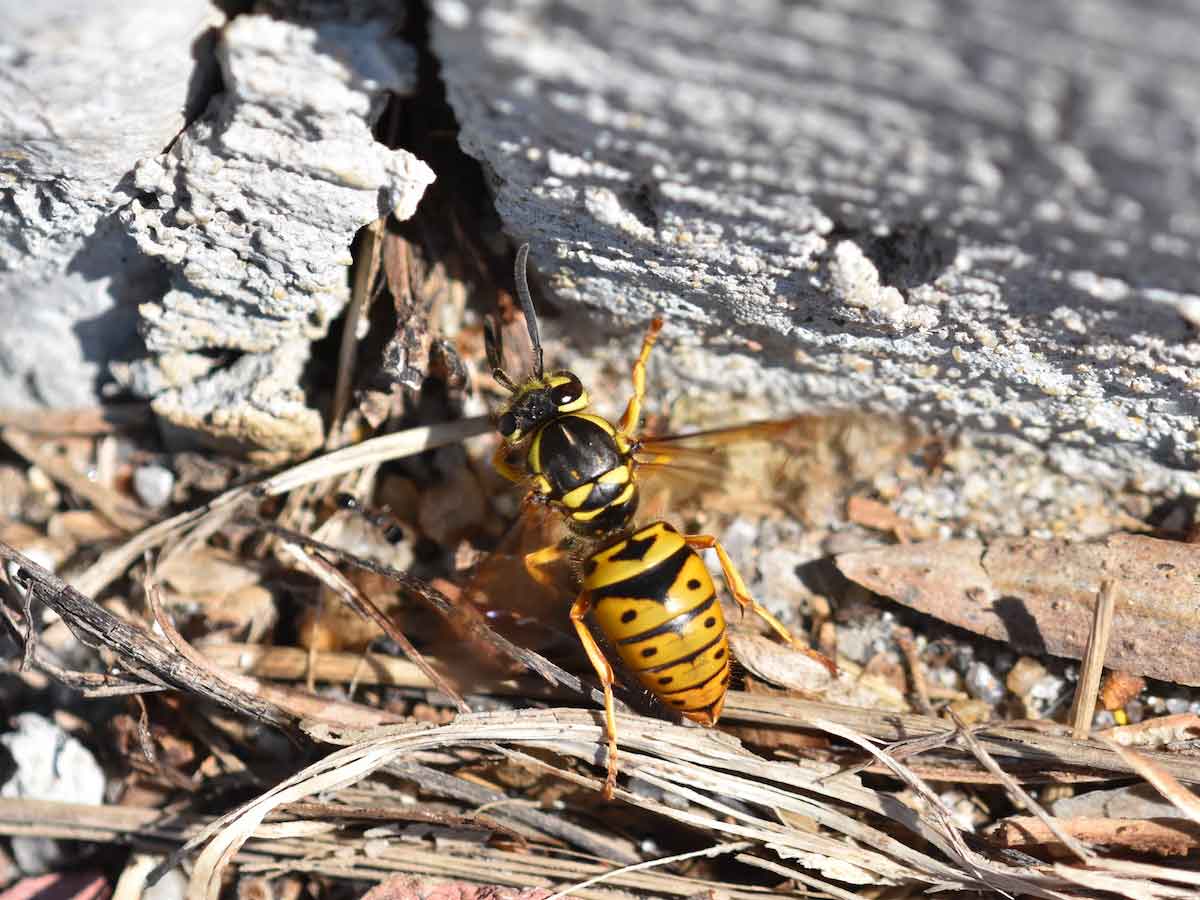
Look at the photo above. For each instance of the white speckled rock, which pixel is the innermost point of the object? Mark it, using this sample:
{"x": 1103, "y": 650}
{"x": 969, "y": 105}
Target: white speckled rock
{"x": 982, "y": 214}
{"x": 50, "y": 765}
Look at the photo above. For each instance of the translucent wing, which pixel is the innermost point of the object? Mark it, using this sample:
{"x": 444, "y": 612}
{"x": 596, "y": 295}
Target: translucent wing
{"x": 806, "y": 464}
{"x": 531, "y": 612}
{"x": 724, "y": 460}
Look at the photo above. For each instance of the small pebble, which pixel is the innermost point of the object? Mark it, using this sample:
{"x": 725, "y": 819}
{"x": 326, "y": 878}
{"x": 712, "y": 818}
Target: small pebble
{"x": 981, "y": 682}
{"x": 1177, "y": 705}
{"x": 1135, "y": 711}
{"x": 1046, "y": 695}
{"x": 153, "y": 485}
{"x": 1103, "y": 719}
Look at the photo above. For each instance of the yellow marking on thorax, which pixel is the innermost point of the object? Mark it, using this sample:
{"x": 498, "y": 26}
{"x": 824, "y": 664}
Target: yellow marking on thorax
{"x": 619, "y": 475}
{"x": 576, "y": 498}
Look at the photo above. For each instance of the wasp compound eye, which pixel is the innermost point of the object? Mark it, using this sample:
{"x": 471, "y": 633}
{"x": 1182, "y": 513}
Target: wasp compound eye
{"x": 563, "y": 394}
{"x": 507, "y": 423}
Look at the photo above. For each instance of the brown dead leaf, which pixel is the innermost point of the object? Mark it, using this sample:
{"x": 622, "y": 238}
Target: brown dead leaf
{"x": 1039, "y": 595}
{"x": 774, "y": 662}
{"x": 1119, "y": 688}
{"x": 1162, "y": 837}
{"x": 206, "y": 570}
{"x": 871, "y": 513}
{"x": 81, "y": 526}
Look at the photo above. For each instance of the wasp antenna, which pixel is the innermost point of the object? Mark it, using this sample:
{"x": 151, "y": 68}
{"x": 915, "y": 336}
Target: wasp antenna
{"x": 527, "y": 308}
{"x": 491, "y": 342}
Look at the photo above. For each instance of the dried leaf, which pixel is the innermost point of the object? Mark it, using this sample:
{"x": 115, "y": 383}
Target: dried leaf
{"x": 1164, "y": 837}
{"x": 774, "y": 662}
{"x": 1039, "y": 595}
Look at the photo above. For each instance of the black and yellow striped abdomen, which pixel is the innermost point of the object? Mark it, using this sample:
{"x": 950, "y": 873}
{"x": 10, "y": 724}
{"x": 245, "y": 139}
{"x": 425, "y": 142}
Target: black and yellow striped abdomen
{"x": 580, "y": 463}
{"x": 655, "y": 601}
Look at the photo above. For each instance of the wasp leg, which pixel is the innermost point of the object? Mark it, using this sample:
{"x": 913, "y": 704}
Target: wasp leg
{"x": 633, "y": 411}
{"x": 579, "y": 610}
{"x": 537, "y": 561}
{"x": 501, "y": 464}
{"x": 737, "y": 587}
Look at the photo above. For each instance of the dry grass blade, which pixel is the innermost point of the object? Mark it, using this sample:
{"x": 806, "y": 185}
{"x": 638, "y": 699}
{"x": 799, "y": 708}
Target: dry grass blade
{"x": 1000, "y": 740}
{"x": 293, "y": 705}
{"x": 695, "y": 769}
{"x": 294, "y": 664}
{"x": 340, "y": 854}
{"x": 353, "y": 597}
{"x": 1173, "y": 874}
{"x": 804, "y": 878}
{"x": 375, "y": 450}
{"x": 1184, "y": 800}
{"x": 140, "y": 652}
{"x": 112, "y": 565}
{"x": 1083, "y": 706}
{"x": 1119, "y": 886}
{"x": 431, "y": 596}
{"x": 232, "y": 830}
{"x": 650, "y": 864}
{"x": 1018, "y": 795}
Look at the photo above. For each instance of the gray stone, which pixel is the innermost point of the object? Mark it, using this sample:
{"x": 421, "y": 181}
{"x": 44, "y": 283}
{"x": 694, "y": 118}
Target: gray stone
{"x": 253, "y": 211}
{"x": 975, "y": 214}
{"x": 255, "y": 205}
{"x": 253, "y": 407}
{"x": 86, "y": 90}
{"x": 153, "y": 485}
{"x": 234, "y": 239}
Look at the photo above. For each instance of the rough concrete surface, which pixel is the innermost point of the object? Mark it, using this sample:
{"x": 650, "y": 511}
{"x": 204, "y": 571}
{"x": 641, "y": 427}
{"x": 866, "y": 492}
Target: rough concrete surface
{"x": 982, "y": 214}
{"x": 86, "y": 90}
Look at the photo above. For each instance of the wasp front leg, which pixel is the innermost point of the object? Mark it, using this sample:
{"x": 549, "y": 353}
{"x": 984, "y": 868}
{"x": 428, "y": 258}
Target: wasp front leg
{"x": 604, "y": 671}
{"x": 633, "y": 411}
{"x": 537, "y": 562}
{"x": 737, "y": 587}
{"x": 501, "y": 464}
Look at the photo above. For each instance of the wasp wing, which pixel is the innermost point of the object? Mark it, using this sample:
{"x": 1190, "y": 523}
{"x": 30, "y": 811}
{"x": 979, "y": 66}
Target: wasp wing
{"x": 727, "y": 460}
{"x": 530, "y": 611}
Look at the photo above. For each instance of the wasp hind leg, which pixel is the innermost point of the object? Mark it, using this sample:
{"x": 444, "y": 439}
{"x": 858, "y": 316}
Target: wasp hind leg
{"x": 604, "y": 671}
{"x": 633, "y": 411}
{"x": 737, "y": 587}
